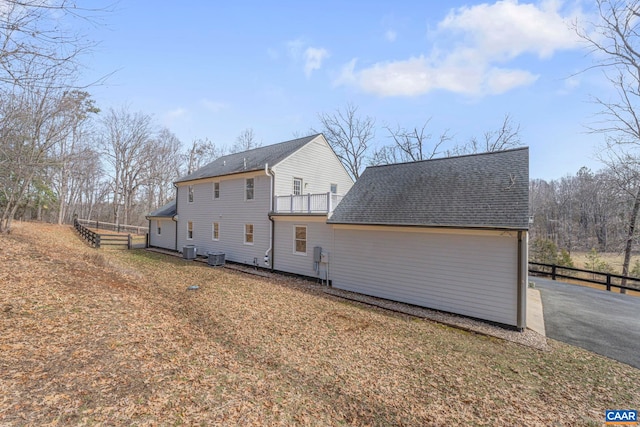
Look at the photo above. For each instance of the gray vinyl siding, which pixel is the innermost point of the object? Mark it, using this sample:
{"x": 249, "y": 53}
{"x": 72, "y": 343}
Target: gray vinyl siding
{"x": 473, "y": 275}
{"x": 318, "y": 167}
{"x": 285, "y": 258}
{"x": 167, "y": 238}
{"x": 232, "y": 212}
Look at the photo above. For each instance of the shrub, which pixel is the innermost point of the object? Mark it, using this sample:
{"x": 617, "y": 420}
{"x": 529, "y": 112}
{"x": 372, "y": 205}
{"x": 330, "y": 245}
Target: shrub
{"x": 564, "y": 259}
{"x": 635, "y": 270}
{"x": 595, "y": 263}
{"x": 544, "y": 251}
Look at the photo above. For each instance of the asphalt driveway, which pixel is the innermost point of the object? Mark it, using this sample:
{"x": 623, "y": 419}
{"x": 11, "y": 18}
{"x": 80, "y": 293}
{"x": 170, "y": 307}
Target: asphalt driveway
{"x": 603, "y": 322}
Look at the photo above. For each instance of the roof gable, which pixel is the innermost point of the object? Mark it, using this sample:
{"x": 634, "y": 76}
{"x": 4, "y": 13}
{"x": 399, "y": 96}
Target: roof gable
{"x": 247, "y": 161}
{"x": 489, "y": 190}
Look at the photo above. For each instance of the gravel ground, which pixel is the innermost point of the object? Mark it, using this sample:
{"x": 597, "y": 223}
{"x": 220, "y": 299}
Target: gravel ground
{"x": 527, "y": 337}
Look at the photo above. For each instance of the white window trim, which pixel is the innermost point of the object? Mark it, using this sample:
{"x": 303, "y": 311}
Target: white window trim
{"x": 293, "y": 190}
{"x": 213, "y": 231}
{"x": 190, "y": 194}
{"x": 253, "y": 234}
{"x": 245, "y": 190}
{"x": 214, "y": 190}
{"x": 295, "y": 240}
{"x": 189, "y": 222}
{"x": 158, "y": 227}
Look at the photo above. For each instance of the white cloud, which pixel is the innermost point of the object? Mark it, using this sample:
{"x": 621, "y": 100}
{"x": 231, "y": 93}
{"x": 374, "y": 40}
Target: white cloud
{"x": 390, "y": 35}
{"x": 170, "y": 117}
{"x": 313, "y": 58}
{"x": 294, "y": 48}
{"x": 507, "y": 28}
{"x": 213, "y": 106}
{"x": 475, "y": 48}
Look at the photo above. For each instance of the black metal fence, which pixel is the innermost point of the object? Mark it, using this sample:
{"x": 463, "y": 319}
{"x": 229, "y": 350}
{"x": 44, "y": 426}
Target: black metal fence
{"x": 608, "y": 280}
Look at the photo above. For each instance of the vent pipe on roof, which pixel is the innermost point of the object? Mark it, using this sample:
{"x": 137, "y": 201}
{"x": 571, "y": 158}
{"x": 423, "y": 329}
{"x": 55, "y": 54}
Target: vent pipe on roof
{"x": 245, "y": 162}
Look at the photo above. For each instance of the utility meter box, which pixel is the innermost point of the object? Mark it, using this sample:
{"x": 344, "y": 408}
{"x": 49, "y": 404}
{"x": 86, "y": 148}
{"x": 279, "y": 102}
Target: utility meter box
{"x": 324, "y": 257}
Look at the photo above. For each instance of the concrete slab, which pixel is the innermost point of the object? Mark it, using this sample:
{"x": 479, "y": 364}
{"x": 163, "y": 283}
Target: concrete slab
{"x": 535, "y": 316}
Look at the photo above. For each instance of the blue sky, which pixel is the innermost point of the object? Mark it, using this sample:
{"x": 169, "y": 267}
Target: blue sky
{"x": 212, "y": 69}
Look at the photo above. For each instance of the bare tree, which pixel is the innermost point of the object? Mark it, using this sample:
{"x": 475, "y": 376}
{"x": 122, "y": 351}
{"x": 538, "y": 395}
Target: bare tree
{"x": 349, "y": 135}
{"x": 126, "y": 143}
{"x": 69, "y": 153}
{"x": 410, "y": 145}
{"x": 614, "y": 41}
{"x": 245, "y": 141}
{"x": 201, "y": 152}
{"x": 32, "y": 121}
{"x": 164, "y": 168}
{"x": 36, "y": 40}
{"x": 505, "y": 137}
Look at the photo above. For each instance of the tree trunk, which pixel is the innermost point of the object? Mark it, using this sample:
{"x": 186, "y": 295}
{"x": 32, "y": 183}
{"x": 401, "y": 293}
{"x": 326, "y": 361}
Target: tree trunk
{"x": 629, "y": 242}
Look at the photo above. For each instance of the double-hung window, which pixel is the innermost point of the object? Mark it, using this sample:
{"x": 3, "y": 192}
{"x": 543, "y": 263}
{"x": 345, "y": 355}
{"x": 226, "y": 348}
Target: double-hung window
{"x": 300, "y": 240}
{"x": 216, "y": 190}
{"x": 248, "y": 189}
{"x": 248, "y": 234}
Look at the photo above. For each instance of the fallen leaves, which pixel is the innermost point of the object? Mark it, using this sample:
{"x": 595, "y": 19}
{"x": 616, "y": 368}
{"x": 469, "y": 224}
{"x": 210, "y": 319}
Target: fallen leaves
{"x": 114, "y": 337}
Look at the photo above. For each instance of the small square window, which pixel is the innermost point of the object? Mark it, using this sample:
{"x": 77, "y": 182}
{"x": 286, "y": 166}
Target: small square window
{"x": 248, "y": 234}
{"x": 216, "y": 190}
{"x": 297, "y": 186}
{"x": 191, "y": 194}
{"x": 216, "y": 231}
{"x": 300, "y": 240}
{"x": 334, "y": 188}
{"x": 159, "y": 227}
{"x": 189, "y": 230}
{"x": 249, "y": 189}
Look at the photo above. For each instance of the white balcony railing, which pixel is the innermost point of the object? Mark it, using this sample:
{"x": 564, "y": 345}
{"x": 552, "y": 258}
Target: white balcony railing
{"x": 306, "y": 203}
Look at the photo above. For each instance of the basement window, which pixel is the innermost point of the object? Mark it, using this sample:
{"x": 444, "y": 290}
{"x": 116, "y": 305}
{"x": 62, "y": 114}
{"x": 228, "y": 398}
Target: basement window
{"x": 248, "y": 234}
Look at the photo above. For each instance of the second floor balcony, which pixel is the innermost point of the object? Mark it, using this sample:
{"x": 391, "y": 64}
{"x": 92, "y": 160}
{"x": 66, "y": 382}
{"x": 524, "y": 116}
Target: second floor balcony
{"x": 306, "y": 203}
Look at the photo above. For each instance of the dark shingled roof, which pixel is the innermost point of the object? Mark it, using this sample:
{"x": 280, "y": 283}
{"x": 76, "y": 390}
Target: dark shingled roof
{"x": 167, "y": 211}
{"x": 247, "y": 161}
{"x": 489, "y": 190}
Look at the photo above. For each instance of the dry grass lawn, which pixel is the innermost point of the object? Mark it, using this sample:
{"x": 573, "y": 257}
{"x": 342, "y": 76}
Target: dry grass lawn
{"x": 115, "y": 338}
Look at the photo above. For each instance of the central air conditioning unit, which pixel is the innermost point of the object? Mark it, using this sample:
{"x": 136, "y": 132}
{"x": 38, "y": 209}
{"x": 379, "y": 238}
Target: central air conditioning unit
{"x": 216, "y": 259}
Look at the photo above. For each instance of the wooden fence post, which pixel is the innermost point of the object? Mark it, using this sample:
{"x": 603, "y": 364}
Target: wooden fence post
{"x": 97, "y": 241}
{"x": 553, "y": 272}
{"x": 609, "y": 282}
{"x": 128, "y": 241}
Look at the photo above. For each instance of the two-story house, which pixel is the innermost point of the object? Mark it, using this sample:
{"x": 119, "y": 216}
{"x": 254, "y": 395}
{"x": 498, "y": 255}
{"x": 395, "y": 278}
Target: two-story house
{"x": 226, "y": 205}
{"x": 448, "y": 234}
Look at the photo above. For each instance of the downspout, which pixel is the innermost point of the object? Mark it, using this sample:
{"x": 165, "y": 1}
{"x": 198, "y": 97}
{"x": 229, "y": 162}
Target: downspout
{"x": 272, "y": 175}
{"x": 175, "y": 219}
{"x": 522, "y": 284}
